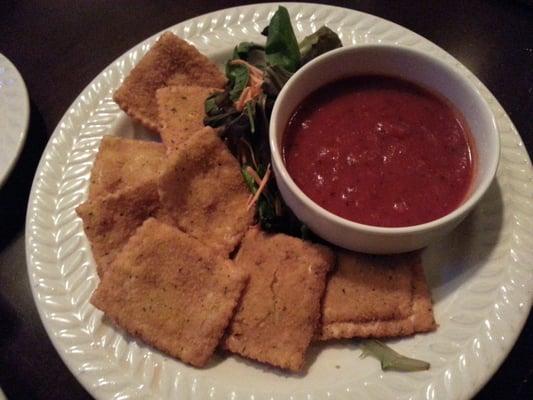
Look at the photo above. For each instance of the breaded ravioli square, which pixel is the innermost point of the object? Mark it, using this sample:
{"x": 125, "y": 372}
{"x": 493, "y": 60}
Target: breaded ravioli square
{"x": 280, "y": 308}
{"x": 170, "y": 61}
{"x": 202, "y": 190}
{"x": 110, "y": 220}
{"x": 171, "y": 291}
{"x": 181, "y": 112}
{"x": 122, "y": 163}
{"x": 376, "y": 296}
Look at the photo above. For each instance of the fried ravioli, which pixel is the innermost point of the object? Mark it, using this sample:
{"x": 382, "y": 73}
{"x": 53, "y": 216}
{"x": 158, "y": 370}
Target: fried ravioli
{"x": 280, "y": 308}
{"x": 122, "y": 163}
{"x": 376, "y": 296}
{"x": 171, "y": 291}
{"x": 181, "y": 112}
{"x": 171, "y": 61}
{"x": 110, "y": 220}
{"x": 202, "y": 190}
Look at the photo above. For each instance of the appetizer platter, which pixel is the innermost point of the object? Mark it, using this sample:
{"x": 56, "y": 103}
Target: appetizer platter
{"x": 197, "y": 215}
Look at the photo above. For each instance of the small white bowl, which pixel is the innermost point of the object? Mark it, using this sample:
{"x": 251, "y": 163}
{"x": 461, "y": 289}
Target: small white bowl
{"x": 411, "y": 65}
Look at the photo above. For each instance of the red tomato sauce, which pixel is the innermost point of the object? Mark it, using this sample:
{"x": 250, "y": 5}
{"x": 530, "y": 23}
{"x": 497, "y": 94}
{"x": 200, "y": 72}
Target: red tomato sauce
{"x": 379, "y": 151}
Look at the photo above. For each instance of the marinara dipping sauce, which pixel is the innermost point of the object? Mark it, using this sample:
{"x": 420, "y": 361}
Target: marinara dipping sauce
{"x": 379, "y": 151}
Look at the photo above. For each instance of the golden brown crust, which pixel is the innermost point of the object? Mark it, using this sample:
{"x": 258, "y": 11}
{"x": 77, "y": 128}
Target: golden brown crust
{"x": 181, "y": 112}
{"x": 202, "y": 190}
{"x": 122, "y": 163}
{"x": 170, "y": 61}
{"x": 358, "y": 298}
{"x": 365, "y": 288}
{"x": 280, "y": 308}
{"x": 422, "y": 316}
{"x": 110, "y": 220}
{"x": 171, "y": 291}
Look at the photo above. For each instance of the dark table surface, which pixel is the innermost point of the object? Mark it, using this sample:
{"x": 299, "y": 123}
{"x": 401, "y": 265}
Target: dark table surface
{"x": 60, "y": 46}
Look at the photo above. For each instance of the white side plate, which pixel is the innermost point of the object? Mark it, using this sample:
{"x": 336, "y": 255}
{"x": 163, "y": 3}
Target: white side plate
{"x": 14, "y": 116}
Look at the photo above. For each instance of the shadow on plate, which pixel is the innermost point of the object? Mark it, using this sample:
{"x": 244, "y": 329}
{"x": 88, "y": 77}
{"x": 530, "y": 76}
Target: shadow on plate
{"x": 267, "y": 369}
{"x": 453, "y": 260}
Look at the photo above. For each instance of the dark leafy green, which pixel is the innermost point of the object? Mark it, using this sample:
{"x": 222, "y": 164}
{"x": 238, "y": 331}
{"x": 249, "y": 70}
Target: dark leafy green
{"x": 282, "y": 47}
{"x": 243, "y": 49}
{"x": 249, "y": 109}
{"x": 275, "y": 79}
{"x": 320, "y": 42}
{"x": 214, "y": 104}
{"x": 248, "y": 179}
{"x": 251, "y": 52}
{"x": 238, "y": 76}
{"x": 219, "y": 110}
{"x": 391, "y": 360}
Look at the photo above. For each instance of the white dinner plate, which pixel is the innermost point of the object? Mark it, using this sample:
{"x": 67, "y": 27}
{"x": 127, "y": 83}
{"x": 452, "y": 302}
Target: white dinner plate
{"x": 480, "y": 276}
{"x": 14, "y": 116}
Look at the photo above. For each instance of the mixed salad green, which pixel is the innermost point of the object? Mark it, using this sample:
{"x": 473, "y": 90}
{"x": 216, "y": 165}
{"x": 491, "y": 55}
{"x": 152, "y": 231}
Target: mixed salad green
{"x": 256, "y": 73}
{"x": 390, "y": 359}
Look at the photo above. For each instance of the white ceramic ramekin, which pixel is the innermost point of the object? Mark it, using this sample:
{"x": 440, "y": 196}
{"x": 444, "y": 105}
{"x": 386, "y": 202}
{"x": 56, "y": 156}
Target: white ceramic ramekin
{"x": 419, "y": 68}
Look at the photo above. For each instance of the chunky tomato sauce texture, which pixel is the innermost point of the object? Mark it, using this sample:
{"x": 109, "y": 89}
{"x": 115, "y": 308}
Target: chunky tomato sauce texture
{"x": 379, "y": 151}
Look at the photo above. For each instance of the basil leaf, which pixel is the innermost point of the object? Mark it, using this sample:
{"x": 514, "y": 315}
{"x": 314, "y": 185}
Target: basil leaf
{"x": 318, "y": 43}
{"x": 391, "y": 360}
{"x": 281, "y": 46}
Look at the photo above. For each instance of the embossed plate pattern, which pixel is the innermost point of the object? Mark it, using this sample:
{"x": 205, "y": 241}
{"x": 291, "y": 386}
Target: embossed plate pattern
{"x": 480, "y": 275}
{"x": 14, "y": 116}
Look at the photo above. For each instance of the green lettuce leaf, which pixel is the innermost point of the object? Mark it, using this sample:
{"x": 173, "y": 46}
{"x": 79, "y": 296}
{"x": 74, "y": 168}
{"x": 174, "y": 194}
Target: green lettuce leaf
{"x": 318, "y": 43}
{"x": 251, "y": 52}
{"x": 282, "y": 47}
{"x": 238, "y": 76}
{"x": 391, "y": 360}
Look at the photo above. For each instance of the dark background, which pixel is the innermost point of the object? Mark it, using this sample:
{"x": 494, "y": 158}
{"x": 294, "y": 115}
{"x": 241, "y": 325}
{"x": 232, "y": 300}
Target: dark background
{"x": 60, "y": 46}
